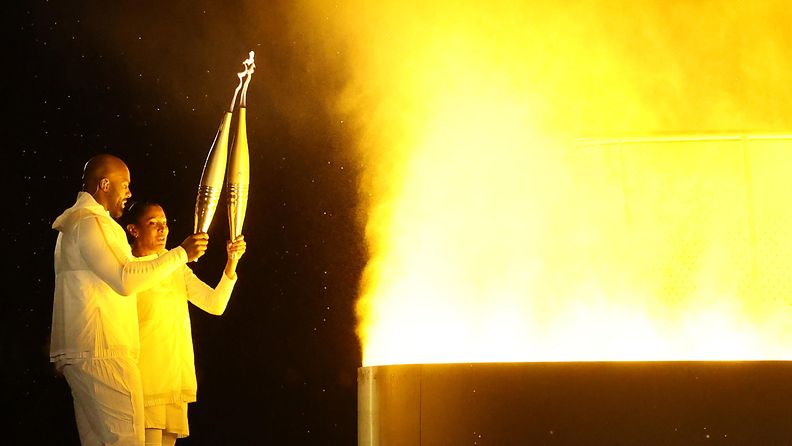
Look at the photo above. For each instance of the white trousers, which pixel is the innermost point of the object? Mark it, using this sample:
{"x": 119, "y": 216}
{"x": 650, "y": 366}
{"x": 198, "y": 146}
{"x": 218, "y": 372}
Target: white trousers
{"x": 108, "y": 401}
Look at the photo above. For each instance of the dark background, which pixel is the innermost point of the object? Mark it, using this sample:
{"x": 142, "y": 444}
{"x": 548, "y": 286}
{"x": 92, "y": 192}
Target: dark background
{"x": 149, "y": 81}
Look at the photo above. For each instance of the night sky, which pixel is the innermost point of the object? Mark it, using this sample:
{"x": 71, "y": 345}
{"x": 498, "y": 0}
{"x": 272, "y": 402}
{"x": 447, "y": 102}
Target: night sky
{"x": 149, "y": 82}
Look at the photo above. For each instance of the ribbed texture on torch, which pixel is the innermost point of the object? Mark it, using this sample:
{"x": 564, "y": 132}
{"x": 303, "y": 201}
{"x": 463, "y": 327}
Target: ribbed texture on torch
{"x": 211, "y": 184}
{"x": 238, "y": 177}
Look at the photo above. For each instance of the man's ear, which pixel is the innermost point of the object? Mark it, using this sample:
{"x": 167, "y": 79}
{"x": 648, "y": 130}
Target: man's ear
{"x": 131, "y": 229}
{"x": 104, "y": 184}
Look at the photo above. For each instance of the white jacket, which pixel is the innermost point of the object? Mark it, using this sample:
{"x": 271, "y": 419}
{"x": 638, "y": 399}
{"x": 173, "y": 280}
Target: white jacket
{"x": 94, "y": 311}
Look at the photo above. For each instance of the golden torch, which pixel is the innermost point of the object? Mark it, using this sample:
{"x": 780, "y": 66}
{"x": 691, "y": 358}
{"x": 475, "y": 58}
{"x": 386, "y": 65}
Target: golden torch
{"x": 211, "y": 184}
{"x": 238, "y": 176}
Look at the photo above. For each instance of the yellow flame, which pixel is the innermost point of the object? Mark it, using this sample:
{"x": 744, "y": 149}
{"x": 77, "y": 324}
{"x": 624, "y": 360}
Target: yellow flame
{"x": 496, "y": 233}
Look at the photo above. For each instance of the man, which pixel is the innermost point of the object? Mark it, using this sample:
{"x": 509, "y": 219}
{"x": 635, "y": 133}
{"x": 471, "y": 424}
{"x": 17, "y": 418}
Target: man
{"x": 94, "y": 340}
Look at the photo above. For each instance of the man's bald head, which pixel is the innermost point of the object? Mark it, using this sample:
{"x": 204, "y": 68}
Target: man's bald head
{"x": 106, "y": 178}
{"x": 101, "y": 166}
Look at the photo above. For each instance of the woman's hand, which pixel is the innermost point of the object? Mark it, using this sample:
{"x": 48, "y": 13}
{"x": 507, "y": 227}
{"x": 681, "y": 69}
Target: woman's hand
{"x": 234, "y": 250}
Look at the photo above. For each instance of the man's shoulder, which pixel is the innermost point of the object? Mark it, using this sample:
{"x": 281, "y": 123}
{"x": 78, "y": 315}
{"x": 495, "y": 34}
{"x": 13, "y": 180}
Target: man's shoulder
{"x": 84, "y": 208}
{"x": 88, "y": 214}
{"x": 88, "y": 220}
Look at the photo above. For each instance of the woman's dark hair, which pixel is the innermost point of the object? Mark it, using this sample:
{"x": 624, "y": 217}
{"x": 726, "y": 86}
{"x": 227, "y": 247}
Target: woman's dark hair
{"x": 132, "y": 215}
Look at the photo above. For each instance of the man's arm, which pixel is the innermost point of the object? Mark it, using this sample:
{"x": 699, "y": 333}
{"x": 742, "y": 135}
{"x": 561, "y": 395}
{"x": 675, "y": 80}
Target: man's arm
{"x": 113, "y": 261}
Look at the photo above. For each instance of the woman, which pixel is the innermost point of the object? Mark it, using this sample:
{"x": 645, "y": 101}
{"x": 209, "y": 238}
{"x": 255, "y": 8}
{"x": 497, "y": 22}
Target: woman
{"x": 167, "y": 365}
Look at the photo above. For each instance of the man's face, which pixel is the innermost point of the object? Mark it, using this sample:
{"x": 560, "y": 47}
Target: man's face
{"x": 118, "y": 192}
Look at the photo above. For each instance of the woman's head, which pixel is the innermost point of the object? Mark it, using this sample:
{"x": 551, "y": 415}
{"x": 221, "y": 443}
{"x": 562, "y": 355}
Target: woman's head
{"x": 146, "y": 226}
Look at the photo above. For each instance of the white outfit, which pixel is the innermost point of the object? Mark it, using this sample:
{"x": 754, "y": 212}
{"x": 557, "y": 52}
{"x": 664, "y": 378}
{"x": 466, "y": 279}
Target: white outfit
{"x": 94, "y": 319}
{"x": 108, "y": 400}
{"x": 167, "y": 363}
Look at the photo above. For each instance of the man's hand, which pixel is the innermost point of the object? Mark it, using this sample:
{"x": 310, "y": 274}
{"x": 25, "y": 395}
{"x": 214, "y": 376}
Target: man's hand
{"x": 195, "y": 245}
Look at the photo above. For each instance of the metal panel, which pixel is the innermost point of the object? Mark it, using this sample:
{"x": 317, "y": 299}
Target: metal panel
{"x": 576, "y": 403}
{"x": 392, "y": 394}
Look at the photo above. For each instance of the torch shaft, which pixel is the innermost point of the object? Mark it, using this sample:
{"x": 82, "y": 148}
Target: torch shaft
{"x": 211, "y": 184}
{"x": 238, "y": 177}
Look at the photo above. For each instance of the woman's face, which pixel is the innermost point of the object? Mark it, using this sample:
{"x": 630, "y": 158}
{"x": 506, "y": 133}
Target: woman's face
{"x": 150, "y": 231}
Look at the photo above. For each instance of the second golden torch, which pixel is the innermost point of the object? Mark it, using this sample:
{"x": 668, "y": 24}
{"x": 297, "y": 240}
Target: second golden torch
{"x": 238, "y": 175}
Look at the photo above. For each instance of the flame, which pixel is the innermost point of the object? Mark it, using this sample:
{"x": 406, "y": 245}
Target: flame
{"x": 250, "y": 69}
{"x": 244, "y": 80}
{"x": 502, "y": 226}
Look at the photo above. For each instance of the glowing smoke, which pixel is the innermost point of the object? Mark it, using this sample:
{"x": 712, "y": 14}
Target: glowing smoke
{"x": 493, "y": 236}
